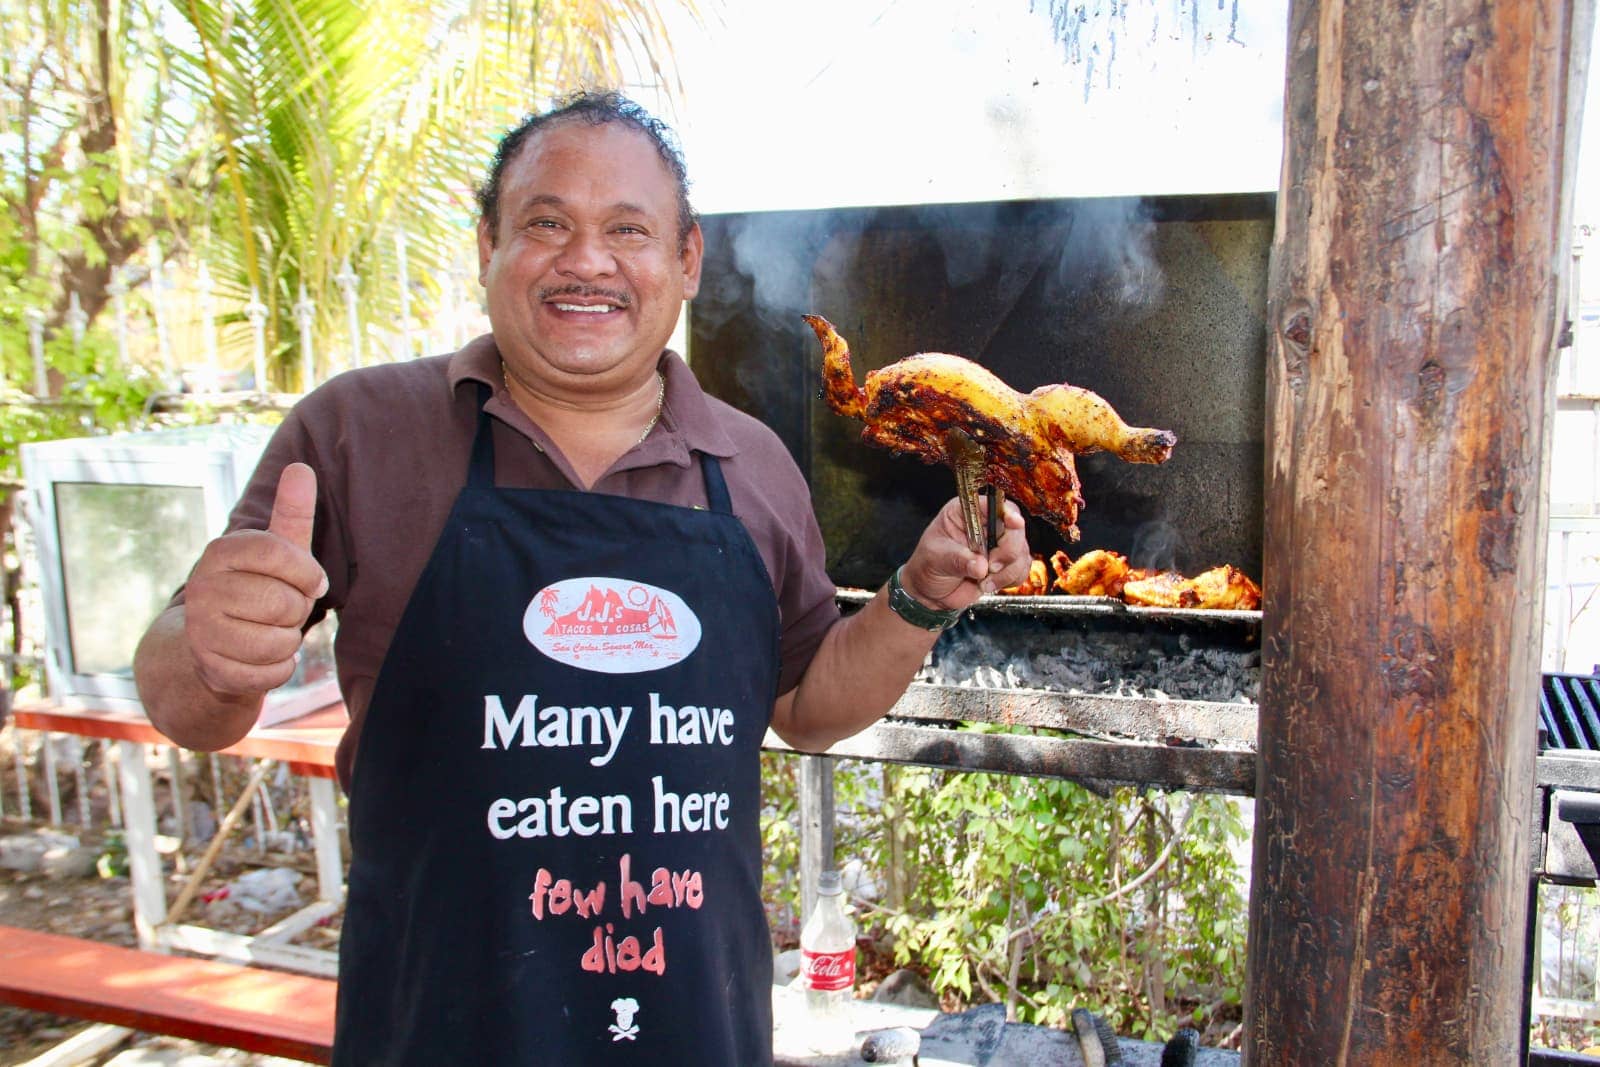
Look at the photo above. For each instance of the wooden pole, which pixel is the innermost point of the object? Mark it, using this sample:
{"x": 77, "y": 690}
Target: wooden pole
{"x": 1416, "y": 300}
{"x": 229, "y": 821}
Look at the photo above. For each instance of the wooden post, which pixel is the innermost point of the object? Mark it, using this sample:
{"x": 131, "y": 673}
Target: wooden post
{"x": 1416, "y": 302}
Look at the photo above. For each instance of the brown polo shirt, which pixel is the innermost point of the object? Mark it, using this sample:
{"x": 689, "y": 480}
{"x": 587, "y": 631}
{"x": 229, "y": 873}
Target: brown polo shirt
{"x": 390, "y": 446}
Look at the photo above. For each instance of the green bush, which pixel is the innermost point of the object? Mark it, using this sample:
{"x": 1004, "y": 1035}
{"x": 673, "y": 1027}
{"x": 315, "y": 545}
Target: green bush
{"x": 1037, "y": 892}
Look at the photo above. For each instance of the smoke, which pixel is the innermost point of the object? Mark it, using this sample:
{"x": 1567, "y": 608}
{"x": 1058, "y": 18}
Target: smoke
{"x": 1094, "y": 259}
{"x": 974, "y": 249}
{"x": 778, "y": 261}
{"x": 1111, "y": 250}
{"x": 1105, "y": 243}
{"x": 1103, "y": 249}
{"x": 1156, "y": 545}
{"x": 774, "y": 258}
{"x": 968, "y": 260}
{"x": 761, "y": 279}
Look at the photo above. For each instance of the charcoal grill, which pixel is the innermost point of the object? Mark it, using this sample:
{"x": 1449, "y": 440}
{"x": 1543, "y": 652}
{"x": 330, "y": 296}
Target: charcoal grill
{"x": 1156, "y": 303}
{"x": 1098, "y": 738}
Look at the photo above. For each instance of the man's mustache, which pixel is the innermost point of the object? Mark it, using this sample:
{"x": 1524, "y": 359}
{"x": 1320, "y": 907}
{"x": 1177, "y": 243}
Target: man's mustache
{"x": 611, "y": 296}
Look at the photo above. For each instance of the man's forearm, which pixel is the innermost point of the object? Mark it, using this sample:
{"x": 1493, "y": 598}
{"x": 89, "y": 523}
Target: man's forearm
{"x": 178, "y": 703}
{"x": 861, "y": 668}
{"x": 866, "y": 661}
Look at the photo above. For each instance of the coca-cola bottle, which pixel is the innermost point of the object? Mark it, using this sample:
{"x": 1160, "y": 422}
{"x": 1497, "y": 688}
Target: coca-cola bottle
{"x": 828, "y": 968}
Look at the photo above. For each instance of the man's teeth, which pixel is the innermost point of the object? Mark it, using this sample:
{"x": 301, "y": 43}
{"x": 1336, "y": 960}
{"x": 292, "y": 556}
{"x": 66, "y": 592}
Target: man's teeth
{"x": 584, "y": 307}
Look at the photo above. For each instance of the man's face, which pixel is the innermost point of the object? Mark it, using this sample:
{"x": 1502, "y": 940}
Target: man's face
{"x": 585, "y": 277}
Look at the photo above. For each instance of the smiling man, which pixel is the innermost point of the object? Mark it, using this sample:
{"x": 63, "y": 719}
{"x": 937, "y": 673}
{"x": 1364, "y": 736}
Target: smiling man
{"x": 573, "y": 592}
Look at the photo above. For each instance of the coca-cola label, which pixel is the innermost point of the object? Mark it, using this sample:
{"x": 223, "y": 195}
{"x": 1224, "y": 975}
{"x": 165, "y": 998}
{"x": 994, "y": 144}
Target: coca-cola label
{"x": 828, "y": 971}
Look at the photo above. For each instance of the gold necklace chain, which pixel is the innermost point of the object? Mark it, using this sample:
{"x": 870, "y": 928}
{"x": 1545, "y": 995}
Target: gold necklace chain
{"x": 661, "y": 396}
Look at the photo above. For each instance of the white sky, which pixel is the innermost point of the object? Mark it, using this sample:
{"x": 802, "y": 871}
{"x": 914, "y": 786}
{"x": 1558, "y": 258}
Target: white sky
{"x": 856, "y": 102}
{"x": 852, "y": 102}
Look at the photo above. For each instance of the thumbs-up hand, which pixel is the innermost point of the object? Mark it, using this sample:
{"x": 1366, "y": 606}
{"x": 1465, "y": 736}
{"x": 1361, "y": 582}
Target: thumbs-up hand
{"x": 252, "y": 591}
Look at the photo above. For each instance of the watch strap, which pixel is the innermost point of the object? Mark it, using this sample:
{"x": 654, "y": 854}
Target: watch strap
{"x": 915, "y": 611}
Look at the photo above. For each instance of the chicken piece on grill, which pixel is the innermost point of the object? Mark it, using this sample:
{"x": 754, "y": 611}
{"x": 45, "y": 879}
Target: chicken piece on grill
{"x": 1098, "y": 572}
{"x": 1227, "y": 588}
{"x": 1059, "y": 562}
{"x": 1029, "y": 439}
{"x": 1218, "y": 589}
{"x": 1037, "y": 583}
{"x": 1163, "y": 589}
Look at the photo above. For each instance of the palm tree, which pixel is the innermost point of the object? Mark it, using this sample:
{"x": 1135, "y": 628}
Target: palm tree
{"x": 279, "y": 140}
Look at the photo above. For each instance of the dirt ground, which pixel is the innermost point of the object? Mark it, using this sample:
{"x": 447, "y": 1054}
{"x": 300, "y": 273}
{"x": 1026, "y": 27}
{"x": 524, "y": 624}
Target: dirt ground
{"x": 101, "y": 909}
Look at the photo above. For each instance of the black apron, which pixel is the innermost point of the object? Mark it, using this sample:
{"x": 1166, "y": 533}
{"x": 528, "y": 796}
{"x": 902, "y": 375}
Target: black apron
{"x": 554, "y": 811}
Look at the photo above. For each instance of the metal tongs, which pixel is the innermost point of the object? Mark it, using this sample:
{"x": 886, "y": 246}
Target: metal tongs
{"x": 968, "y": 459}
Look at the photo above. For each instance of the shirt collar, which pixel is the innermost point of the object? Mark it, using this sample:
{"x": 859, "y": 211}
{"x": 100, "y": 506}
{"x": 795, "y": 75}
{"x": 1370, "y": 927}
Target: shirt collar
{"x": 687, "y": 421}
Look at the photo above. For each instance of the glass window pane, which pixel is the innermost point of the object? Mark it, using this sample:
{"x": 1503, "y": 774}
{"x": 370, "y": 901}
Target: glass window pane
{"x": 124, "y": 549}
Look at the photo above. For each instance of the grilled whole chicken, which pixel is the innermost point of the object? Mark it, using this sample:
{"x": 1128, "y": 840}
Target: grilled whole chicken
{"x": 1029, "y": 439}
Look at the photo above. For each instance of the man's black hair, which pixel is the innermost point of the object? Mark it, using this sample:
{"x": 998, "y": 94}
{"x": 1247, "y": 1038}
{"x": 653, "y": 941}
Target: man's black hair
{"x": 596, "y": 107}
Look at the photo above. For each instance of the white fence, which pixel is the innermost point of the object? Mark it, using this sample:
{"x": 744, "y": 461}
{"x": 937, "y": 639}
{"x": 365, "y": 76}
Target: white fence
{"x": 176, "y": 325}
{"x": 1572, "y": 569}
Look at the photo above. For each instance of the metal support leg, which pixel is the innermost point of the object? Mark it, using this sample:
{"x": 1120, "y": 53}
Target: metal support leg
{"x": 325, "y": 837}
{"x": 816, "y": 826}
{"x": 144, "y": 863}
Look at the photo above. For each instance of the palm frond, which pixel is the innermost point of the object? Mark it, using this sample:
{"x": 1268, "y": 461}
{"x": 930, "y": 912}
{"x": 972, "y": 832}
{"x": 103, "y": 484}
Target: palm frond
{"x": 279, "y": 139}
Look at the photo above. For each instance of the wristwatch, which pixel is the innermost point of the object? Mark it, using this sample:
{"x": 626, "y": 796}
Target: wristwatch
{"x": 915, "y": 611}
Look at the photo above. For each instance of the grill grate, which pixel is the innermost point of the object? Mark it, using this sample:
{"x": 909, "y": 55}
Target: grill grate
{"x": 1569, "y": 712}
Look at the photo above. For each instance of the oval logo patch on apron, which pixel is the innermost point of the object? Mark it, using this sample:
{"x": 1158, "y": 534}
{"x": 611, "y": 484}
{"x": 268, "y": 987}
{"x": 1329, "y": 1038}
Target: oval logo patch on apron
{"x": 611, "y": 626}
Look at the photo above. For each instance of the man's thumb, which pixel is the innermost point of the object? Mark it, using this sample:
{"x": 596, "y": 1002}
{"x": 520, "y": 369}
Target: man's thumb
{"x": 295, "y": 507}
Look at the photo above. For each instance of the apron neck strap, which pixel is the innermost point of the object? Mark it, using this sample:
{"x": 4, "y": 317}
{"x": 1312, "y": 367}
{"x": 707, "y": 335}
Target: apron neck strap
{"x": 480, "y": 468}
{"x": 716, "y": 485}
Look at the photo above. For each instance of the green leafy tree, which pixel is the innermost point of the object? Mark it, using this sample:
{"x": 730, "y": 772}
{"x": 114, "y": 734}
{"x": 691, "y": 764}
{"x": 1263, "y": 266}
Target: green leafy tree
{"x": 277, "y": 140}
